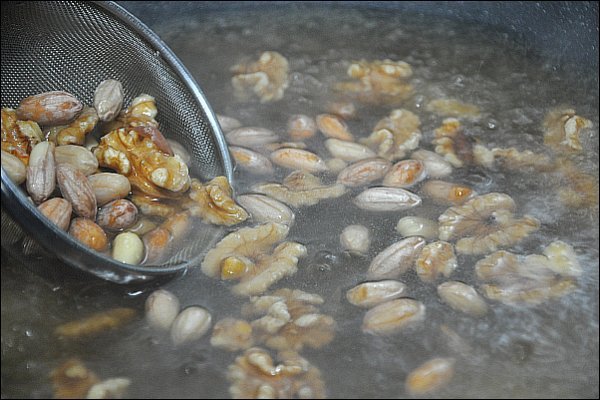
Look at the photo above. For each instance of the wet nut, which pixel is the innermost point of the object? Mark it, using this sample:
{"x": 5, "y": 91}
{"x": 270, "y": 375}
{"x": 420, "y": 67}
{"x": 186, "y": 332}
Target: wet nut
{"x": 50, "y": 108}
{"x": 453, "y": 108}
{"x": 334, "y": 127}
{"x": 128, "y": 248}
{"x": 58, "y": 211}
{"x": 251, "y": 161}
{"x": 117, "y": 215}
{"x": 435, "y": 165}
{"x": 267, "y": 78}
{"x": 396, "y": 259}
{"x": 364, "y": 172}
{"x": 386, "y": 199}
{"x": 301, "y": 127}
{"x": 266, "y": 209}
{"x": 161, "y": 308}
{"x": 89, "y": 233}
{"x": 113, "y": 388}
{"x": 430, "y": 376}
{"x": 348, "y": 151}
{"x": 562, "y": 128}
{"x": 250, "y": 136}
{"x": 77, "y": 130}
{"x": 417, "y": 226}
{"x": 447, "y": 193}
{"x": 157, "y": 243}
{"x": 436, "y": 258}
{"x": 72, "y": 380}
{"x": 405, "y": 174}
{"x": 96, "y": 323}
{"x": 178, "y": 225}
{"x": 108, "y": 99}
{"x": 336, "y": 165}
{"x": 19, "y": 137}
{"x": 232, "y": 335}
{"x": 370, "y": 294}
{"x": 190, "y": 325}
{"x": 41, "y": 172}
{"x": 395, "y": 135}
{"x": 213, "y": 202}
{"x": 228, "y": 123}
{"x": 343, "y": 109}
{"x": 463, "y": 298}
{"x": 78, "y": 156}
{"x": 142, "y": 226}
{"x": 180, "y": 151}
{"x": 298, "y": 159}
{"x": 76, "y": 188}
{"x": 356, "y": 239}
{"x": 393, "y": 316}
{"x": 108, "y": 186}
{"x": 151, "y": 206}
{"x": 453, "y": 144}
{"x": 14, "y": 167}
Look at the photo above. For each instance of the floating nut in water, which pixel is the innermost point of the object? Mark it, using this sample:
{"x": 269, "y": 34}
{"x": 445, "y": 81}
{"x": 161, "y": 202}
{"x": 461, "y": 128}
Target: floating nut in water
{"x": 430, "y": 376}
{"x": 72, "y": 380}
{"x": 386, "y": 199}
{"x": 332, "y": 126}
{"x": 113, "y": 388}
{"x": 41, "y": 172}
{"x": 58, "y": 211}
{"x": 447, "y": 193}
{"x": 393, "y": 316}
{"x": 232, "y": 335}
{"x": 436, "y": 258}
{"x": 267, "y": 78}
{"x": 213, "y": 202}
{"x": 453, "y": 108}
{"x": 563, "y": 259}
{"x": 78, "y": 156}
{"x": 250, "y": 136}
{"x": 108, "y": 99}
{"x": 453, "y": 144}
{"x": 117, "y": 215}
{"x": 405, "y": 174}
{"x": 395, "y": 135}
{"x": 462, "y": 297}
{"x": 251, "y": 161}
{"x": 128, "y": 248}
{"x": 265, "y": 209}
{"x": 14, "y": 167}
{"x": 161, "y": 308}
{"x": 562, "y": 128}
{"x": 299, "y": 160}
{"x": 370, "y": 294}
{"x": 417, "y": 226}
{"x": 301, "y": 127}
{"x": 364, "y": 172}
{"x": 343, "y": 109}
{"x": 348, "y": 151}
{"x": 435, "y": 165}
{"x": 228, "y": 123}
{"x": 50, "y": 108}
{"x": 89, "y": 233}
{"x": 96, "y": 323}
{"x": 109, "y": 186}
{"x": 190, "y": 325}
{"x": 396, "y": 259}
{"x": 76, "y": 188}
{"x": 356, "y": 239}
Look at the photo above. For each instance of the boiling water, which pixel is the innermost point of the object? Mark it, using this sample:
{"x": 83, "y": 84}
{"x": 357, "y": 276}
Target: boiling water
{"x": 550, "y": 350}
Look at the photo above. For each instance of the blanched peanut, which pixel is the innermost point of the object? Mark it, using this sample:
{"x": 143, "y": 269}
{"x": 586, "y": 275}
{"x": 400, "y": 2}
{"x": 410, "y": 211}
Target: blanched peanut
{"x": 128, "y": 248}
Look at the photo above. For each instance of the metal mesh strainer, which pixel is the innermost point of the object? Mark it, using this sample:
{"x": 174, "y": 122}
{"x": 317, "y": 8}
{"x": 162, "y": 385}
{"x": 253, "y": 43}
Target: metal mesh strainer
{"x": 73, "y": 46}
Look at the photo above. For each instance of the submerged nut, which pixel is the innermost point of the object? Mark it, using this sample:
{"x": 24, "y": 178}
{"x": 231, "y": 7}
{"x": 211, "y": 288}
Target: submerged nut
{"x": 49, "y": 108}
{"x": 213, "y": 202}
{"x": 78, "y": 156}
{"x": 161, "y": 308}
{"x": 452, "y": 108}
{"x": 404, "y": 174}
{"x": 334, "y": 127}
{"x": 435, "y": 165}
{"x": 562, "y": 128}
{"x": 251, "y": 161}
{"x": 41, "y": 172}
{"x": 364, "y": 172}
{"x": 299, "y": 159}
{"x": 395, "y": 135}
{"x": 386, "y": 199}
{"x": 417, "y": 226}
{"x": 250, "y": 136}
{"x": 393, "y": 316}
{"x": 128, "y": 248}
{"x": 267, "y": 78}
{"x": 89, "y": 233}
{"x": 108, "y": 99}
{"x": 370, "y": 294}
{"x": 348, "y": 151}
{"x": 72, "y": 380}
{"x": 266, "y": 209}
{"x": 108, "y": 186}
{"x": 14, "y": 167}
{"x": 228, "y": 123}
{"x": 430, "y": 376}
{"x": 301, "y": 127}
{"x": 76, "y": 188}
{"x": 356, "y": 239}
{"x": 436, "y": 258}
{"x": 447, "y": 193}
{"x": 232, "y": 335}
{"x": 96, "y": 323}
{"x": 117, "y": 215}
{"x": 396, "y": 259}
{"x": 190, "y": 325}
{"x": 157, "y": 243}
{"x": 462, "y": 297}
{"x": 113, "y": 388}
{"x": 58, "y": 211}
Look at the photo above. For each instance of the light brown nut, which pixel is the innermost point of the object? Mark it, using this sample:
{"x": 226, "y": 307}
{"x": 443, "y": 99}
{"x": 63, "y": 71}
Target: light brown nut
{"x": 113, "y": 388}
{"x": 453, "y": 108}
{"x": 50, "y": 108}
{"x": 417, "y": 226}
{"x": 301, "y": 127}
{"x": 430, "y": 376}
{"x": 251, "y": 161}
{"x": 190, "y": 325}
{"x": 405, "y": 174}
{"x": 96, "y": 323}
{"x": 333, "y": 126}
{"x": 436, "y": 258}
{"x": 157, "y": 244}
{"x": 386, "y": 199}
{"x": 108, "y": 99}
{"x": 363, "y": 172}
{"x": 76, "y": 188}
{"x": 161, "y": 308}
{"x": 348, "y": 151}
{"x": 370, "y": 294}
{"x": 142, "y": 226}
{"x": 447, "y": 193}
{"x": 228, "y": 123}
{"x": 117, "y": 215}
{"x": 343, "y": 109}
{"x": 336, "y": 165}
{"x": 355, "y": 239}
{"x": 109, "y": 186}
{"x": 178, "y": 225}
{"x": 393, "y": 316}
{"x": 89, "y": 233}
{"x": 41, "y": 172}
{"x": 78, "y": 156}
{"x": 435, "y": 165}
{"x": 252, "y": 137}
{"x": 14, "y": 167}
{"x": 72, "y": 380}
{"x": 267, "y": 77}
{"x": 232, "y": 335}
{"x": 463, "y": 298}
{"x": 58, "y": 211}
{"x": 128, "y": 248}
{"x": 396, "y": 259}
{"x": 76, "y": 131}
{"x": 299, "y": 160}
{"x": 266, "y": 209}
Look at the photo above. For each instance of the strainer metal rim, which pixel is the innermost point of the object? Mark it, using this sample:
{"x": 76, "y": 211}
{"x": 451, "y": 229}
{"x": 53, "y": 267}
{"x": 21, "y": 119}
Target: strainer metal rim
{"x": 36, "y": 225}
